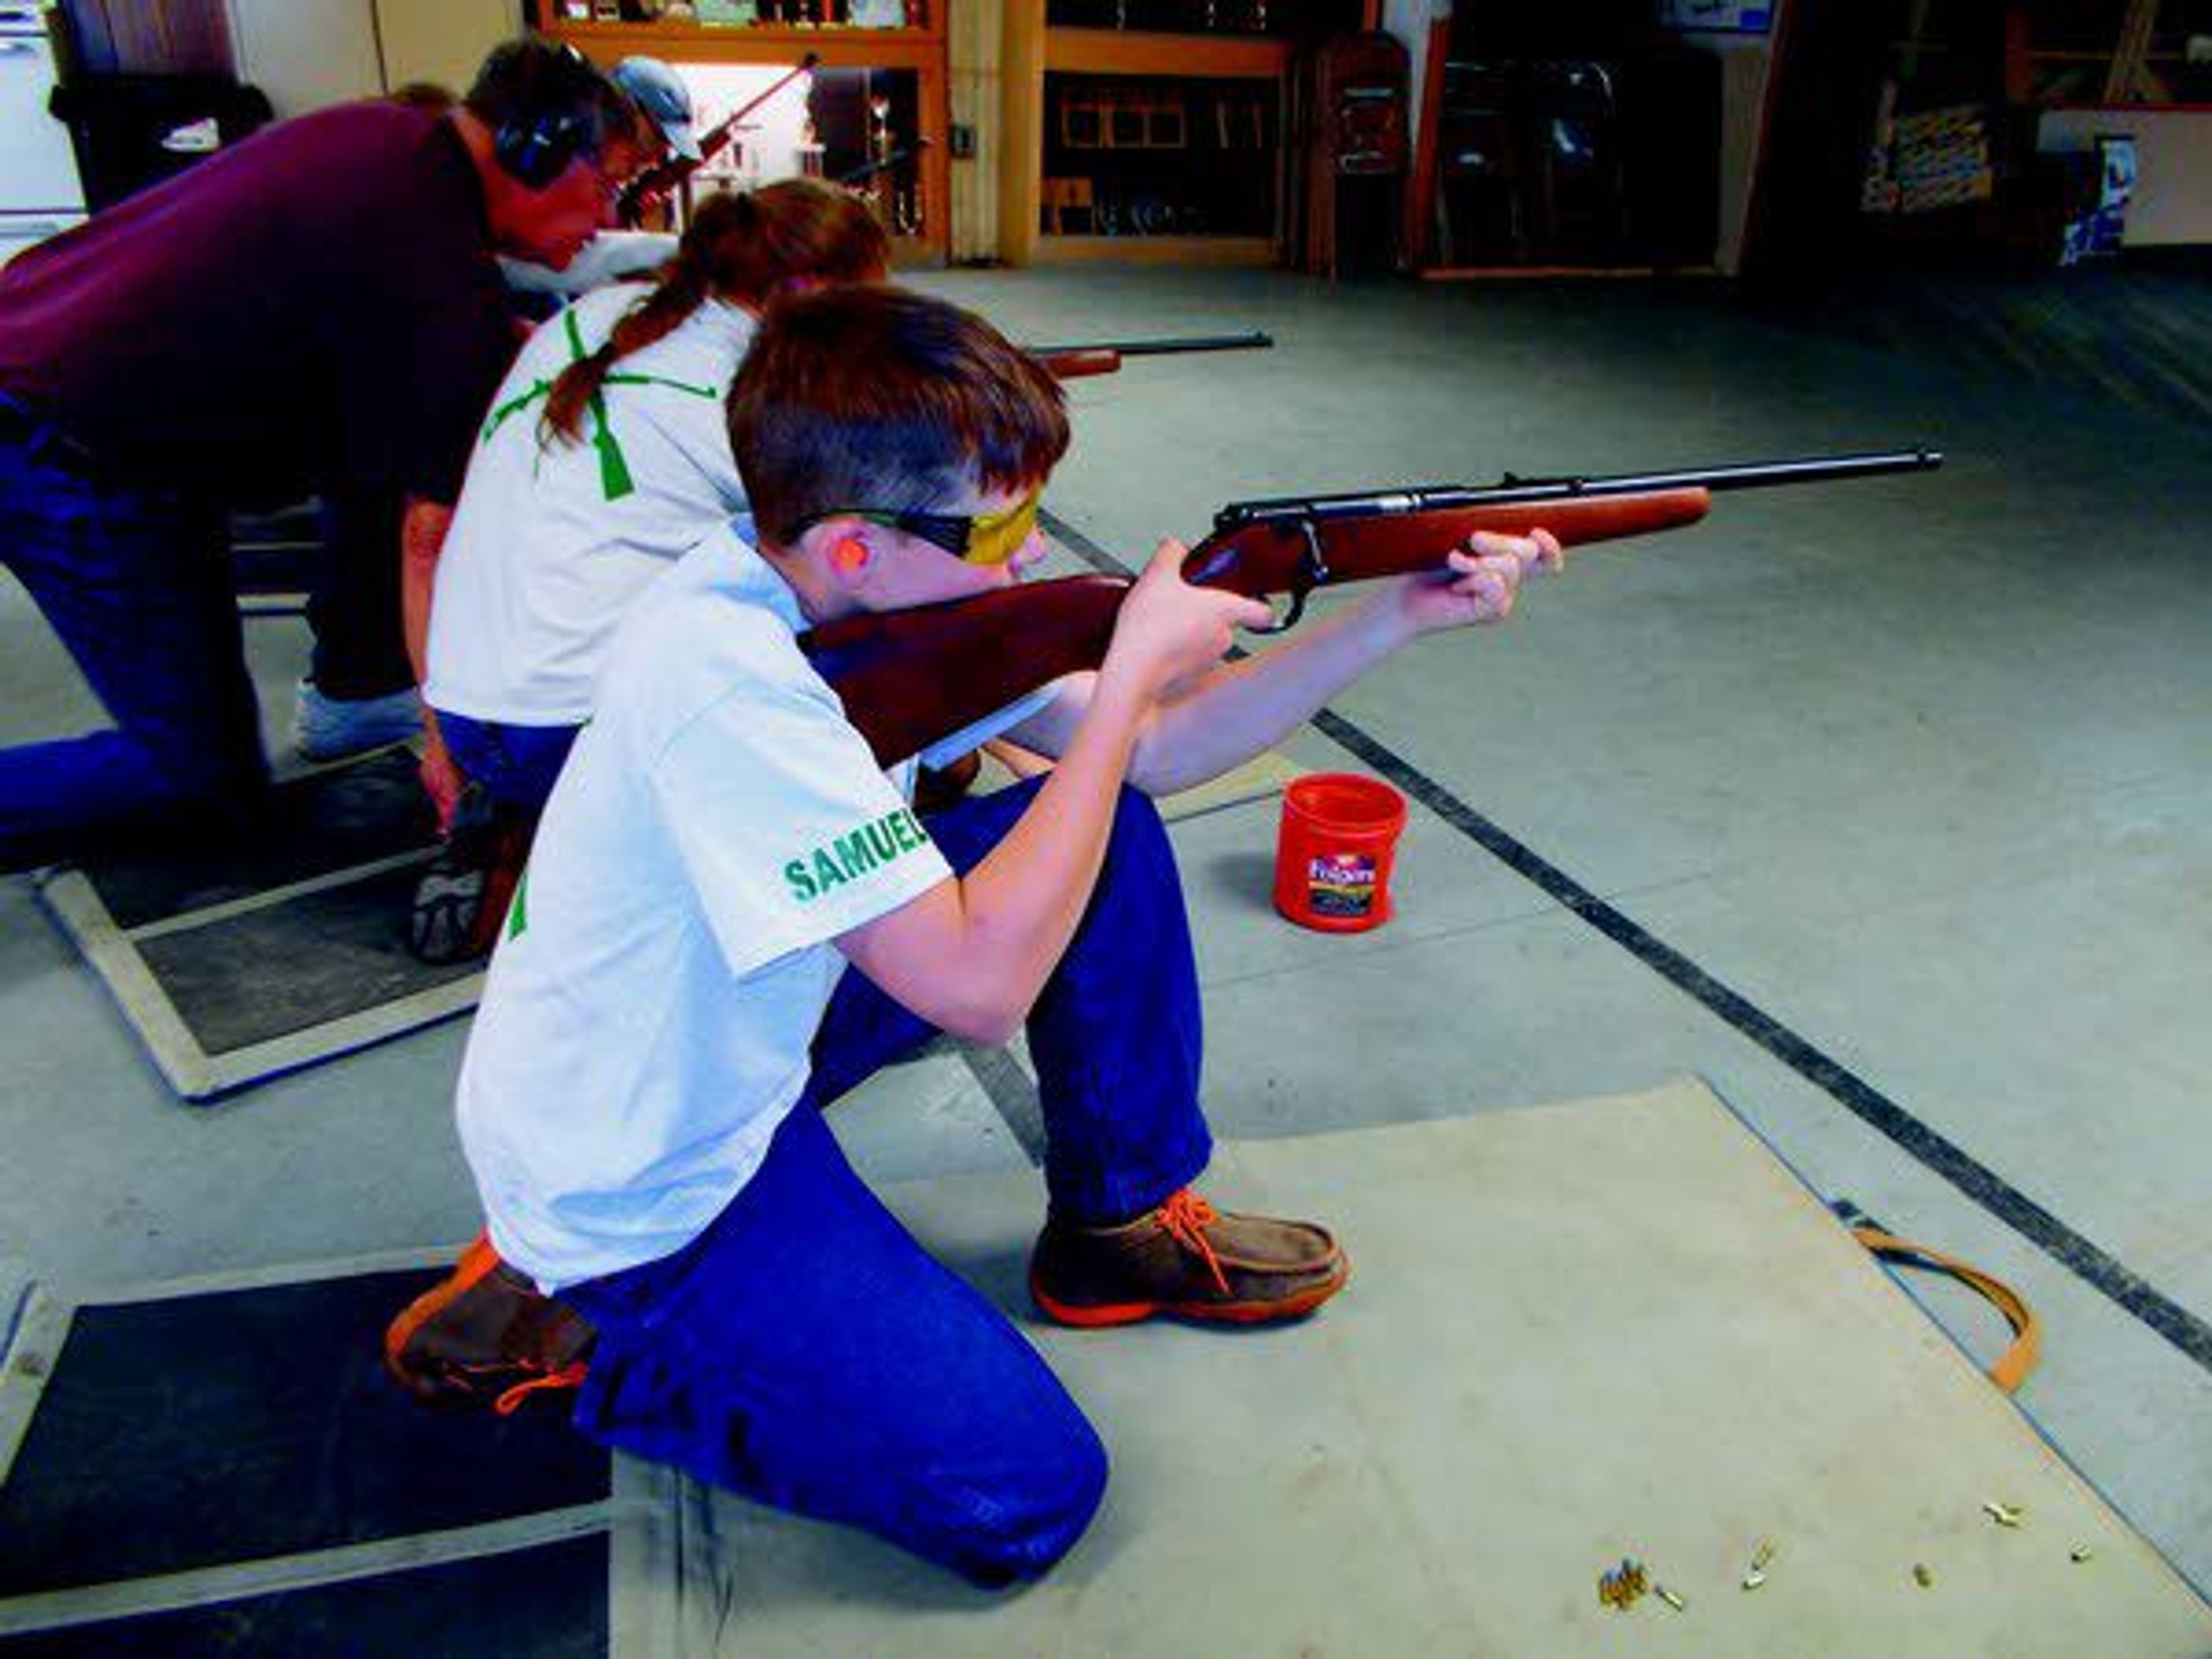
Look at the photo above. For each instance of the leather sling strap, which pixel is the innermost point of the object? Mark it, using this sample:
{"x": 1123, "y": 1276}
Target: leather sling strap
{"x": 2013, "y": 1366}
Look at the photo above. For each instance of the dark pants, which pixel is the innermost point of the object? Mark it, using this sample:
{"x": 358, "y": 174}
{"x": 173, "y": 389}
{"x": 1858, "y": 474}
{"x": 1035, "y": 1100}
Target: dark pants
{"x": 361, "y": 646}
{"x": 136, "y": 582}
{"x": 516, "y": 765}
{"x": 806, "y": 1351}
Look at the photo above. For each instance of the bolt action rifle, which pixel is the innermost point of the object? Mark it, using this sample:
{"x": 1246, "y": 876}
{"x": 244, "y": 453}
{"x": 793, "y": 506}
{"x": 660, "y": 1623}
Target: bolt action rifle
{"x": 1070, "y": 362}
{"x": 911, "y": 678}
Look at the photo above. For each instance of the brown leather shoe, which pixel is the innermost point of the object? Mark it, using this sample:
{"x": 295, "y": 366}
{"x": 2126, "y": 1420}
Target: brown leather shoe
{"x": 485, "y": 1336}
{"x": 1187, "y": 1259}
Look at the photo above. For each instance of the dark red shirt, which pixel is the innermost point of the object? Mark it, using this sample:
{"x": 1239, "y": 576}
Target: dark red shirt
{"x": 319, "y": 304}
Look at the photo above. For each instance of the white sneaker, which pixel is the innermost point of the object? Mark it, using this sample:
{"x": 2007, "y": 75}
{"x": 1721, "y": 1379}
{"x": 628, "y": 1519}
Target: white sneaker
{"x": 325, "y": 728}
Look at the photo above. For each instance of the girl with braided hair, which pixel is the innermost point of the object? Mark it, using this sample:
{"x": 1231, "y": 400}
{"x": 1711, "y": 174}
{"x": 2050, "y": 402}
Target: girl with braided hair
{"x": 605, "y": 456}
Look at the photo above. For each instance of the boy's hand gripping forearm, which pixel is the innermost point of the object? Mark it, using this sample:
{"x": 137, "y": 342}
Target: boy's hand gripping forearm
{"x": 1241, "y": 709}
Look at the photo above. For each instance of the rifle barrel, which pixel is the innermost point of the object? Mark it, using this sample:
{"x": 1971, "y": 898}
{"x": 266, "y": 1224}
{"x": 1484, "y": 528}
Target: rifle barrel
{"x": 1252, "y": 340}
{"x": 1511, "y": 490}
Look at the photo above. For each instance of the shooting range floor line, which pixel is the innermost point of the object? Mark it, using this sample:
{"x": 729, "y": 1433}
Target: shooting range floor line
{"x": 185, "y": 921}
{"x": 212, "y": 1586}
{"x": 1012, "y": 1094}
{"x": 2102, "y": 1272}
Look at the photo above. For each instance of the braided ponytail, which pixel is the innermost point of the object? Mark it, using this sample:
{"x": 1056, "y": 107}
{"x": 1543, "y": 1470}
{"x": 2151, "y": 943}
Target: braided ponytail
{"x": 744, "y": 248}
{"x": 681, "y": 291}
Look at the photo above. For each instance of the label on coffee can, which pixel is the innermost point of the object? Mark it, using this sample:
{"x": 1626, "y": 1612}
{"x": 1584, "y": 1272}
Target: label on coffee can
{"x": 1341, "y": 884}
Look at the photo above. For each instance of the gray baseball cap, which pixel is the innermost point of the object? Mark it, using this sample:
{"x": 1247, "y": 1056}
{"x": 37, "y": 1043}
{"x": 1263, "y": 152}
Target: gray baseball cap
{"x": 660, "y": 91}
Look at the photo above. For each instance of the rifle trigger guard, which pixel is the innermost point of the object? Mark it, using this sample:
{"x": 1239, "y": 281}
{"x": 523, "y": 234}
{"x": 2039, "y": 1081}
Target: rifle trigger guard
{"x": 1312, "y": 573}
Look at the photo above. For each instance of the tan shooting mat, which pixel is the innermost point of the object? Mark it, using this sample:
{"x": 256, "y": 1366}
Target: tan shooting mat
{"x": 1575, "y": 1334}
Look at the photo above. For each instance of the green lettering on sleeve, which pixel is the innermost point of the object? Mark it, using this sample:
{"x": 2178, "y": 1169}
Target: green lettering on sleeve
{"x": 855, "y": 854}
{"x": 848, "y": 857}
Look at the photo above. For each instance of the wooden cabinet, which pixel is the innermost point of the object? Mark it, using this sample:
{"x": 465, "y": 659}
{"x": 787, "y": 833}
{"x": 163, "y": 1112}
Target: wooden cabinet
{"x": 148, "y": 37}
{"x": 870, "y": 85}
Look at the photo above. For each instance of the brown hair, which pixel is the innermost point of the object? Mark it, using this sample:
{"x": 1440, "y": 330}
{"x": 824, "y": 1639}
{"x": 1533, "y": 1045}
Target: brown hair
{"x": 884, "y": 398}
{"x": 745, "y": 247}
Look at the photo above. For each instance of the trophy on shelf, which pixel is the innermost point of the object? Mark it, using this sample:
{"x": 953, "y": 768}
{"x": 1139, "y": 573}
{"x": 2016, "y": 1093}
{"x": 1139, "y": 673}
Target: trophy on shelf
{"x": 885, "y": 178}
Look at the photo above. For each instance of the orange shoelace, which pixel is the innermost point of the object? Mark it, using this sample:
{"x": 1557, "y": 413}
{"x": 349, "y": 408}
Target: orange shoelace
{"x": 568, "y": 1376}
{"x": 1186, "y": 1216}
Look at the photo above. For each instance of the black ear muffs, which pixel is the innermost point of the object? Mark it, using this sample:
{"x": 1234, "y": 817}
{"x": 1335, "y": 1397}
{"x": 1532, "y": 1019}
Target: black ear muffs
{"x": 536, "y": 144}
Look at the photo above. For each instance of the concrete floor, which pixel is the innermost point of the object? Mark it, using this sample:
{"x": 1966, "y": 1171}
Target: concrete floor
{"x": 1916, "y": 769}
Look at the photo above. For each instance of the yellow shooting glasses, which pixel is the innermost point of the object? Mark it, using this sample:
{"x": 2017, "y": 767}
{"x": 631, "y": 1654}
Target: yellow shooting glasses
{"x": 978, "y": 538}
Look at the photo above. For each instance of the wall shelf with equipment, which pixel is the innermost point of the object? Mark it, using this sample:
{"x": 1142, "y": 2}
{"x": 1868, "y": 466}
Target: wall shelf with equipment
{"x": 875, "y": 105}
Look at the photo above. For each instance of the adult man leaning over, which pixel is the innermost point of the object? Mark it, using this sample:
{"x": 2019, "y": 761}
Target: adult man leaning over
{"x": 319, "y": 308}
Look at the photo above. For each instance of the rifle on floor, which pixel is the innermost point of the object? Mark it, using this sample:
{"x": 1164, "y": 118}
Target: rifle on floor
{"x": 1069, "y": 363}
{"x": 910, "y": 679}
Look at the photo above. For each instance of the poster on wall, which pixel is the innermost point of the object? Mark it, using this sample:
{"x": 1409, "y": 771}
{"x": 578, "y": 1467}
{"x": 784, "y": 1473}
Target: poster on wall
{"x": 1720, "y": 17}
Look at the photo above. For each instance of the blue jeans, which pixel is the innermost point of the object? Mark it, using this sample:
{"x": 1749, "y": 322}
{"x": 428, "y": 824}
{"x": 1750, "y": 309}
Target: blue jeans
{"x": 807, "y": 1352}
{"x": 136, "y": 582}
{"x": 516, "y": 764}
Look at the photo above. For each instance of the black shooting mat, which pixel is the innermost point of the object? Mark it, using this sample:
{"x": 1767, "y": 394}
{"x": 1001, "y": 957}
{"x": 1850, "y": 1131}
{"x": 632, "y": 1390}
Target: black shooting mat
{"x": 545, "y": 1602}
{"x": 199, "y": 1430}
{"x": 273, "y": 946}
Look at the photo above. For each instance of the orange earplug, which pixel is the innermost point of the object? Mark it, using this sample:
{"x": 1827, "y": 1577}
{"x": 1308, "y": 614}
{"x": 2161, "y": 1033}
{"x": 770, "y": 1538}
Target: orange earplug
{"x": 849, "y": 553}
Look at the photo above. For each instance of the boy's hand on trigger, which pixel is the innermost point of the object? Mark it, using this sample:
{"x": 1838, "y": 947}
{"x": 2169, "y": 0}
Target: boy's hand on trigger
{"x": 1169, "y": 631}
{"x": 1478, "y": 582}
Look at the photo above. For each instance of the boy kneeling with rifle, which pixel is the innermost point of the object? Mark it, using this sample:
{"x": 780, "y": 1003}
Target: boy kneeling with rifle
{"x": 731, "y": 916}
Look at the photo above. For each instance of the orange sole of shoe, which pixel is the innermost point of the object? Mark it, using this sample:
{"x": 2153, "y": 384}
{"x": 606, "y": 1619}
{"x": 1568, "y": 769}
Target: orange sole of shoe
{"x": 478, "y": 1260}
{"x": 1097, "y": 1315}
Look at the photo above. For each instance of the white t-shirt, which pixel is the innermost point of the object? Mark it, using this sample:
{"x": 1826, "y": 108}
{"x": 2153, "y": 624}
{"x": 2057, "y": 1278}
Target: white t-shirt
{"x": 551, "y": 543}
{"x": 649, "y": 1012}
{"x": 608, "y": 257}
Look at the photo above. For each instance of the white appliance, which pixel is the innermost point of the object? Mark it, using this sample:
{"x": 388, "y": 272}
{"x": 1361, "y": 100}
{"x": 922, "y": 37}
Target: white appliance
{"x": 39, "y": 192}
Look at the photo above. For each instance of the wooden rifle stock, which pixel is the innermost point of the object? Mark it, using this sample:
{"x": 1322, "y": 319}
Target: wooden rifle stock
{"x": 911, "y": 678}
